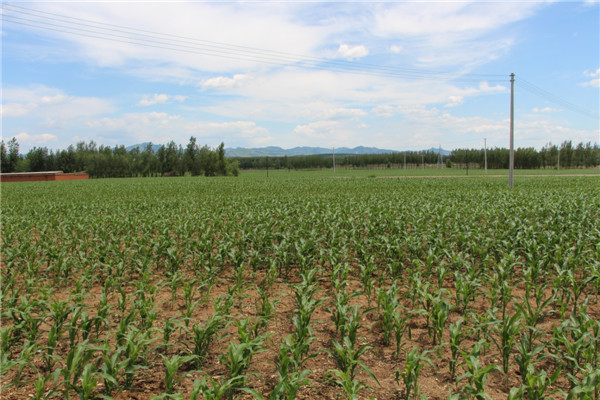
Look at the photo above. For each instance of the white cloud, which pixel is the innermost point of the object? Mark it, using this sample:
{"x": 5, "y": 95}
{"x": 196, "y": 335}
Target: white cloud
{"x": 455, "y": 101}
{"x": 452, "y": 34}
{"x": 17, "y": 109}
{"x": 160, "y": 99}
{"x": 28, "y": 140}
{"x": 209, "y": 36}
{"x": 161, "y": 127}
{"x": 595, "y": 81}
{"x": 546, "y": 110}
{"x": 43, "y": 102}
{"x": 439, "y": 18}
{"x": 396, "y": 49}
{"x": 351, "y": 52}
{"x": 223, "y": 82}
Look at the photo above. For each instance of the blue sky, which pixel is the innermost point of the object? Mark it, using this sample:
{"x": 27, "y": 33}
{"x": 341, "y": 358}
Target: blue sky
{"x": 395, "y": 75}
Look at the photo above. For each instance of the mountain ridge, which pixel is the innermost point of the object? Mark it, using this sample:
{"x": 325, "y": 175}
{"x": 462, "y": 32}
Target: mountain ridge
{"x": 276, "y": 151}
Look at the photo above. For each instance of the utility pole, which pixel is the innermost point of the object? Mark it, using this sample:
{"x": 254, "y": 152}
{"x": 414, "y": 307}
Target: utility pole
{"x": 558, "y": 161}
{"x": 423, "y": 161}
{"x": 511, "y": 160}
{"x": 405, "y": 160}
{"x": 333, "y": 152}
{"x": 485, "y": 153}
{"x": 267, "y": 166}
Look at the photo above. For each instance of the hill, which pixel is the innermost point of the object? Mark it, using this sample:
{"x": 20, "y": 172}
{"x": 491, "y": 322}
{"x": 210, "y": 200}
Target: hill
{"x": 275, "y": 151}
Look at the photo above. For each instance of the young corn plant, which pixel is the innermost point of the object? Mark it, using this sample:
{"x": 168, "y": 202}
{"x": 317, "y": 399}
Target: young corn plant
{"x": 351, "y": 387}
{"x": 534, "y": 314}
{"x": 535, "y": 385}
{"x": 305, "y": 307}
{"x": 388, "y": 304}
{"x": 574, "y": 343}
{"x": 190, "y": 305}
{"x": 87, "y": 385}
{"x": 172, "y": 365}
{"x": 456, "y": 339}
{"x": 217, "y": 390}
{"x": 439, "y": 314}
{"x": 265, "y": 307}
{"x": 347, "y": 358}
{"x": 48, "y": 355}
{"x": 367, "y": 272}
{"x": 475, "y": 374}
{"x": 400, "y": 327}
{"x": 588, "y": 388}
{"x": 203, "y": 336}
{"x": 415, "y": 362}
{"x": 465, "y": 286}
{"x": 78, "y": 359}
{"x": 528, "y": 354}
{"x": 291, "y": 376}
{"x": 237, "y": 361}
{"x": 40, "y": 388}
{"x": 135, "y": 350}
{"x": 509, "y": 329}
{"x": 112, "y": 365}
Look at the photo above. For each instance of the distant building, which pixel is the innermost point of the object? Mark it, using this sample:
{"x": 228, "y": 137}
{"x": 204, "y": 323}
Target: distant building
{"x": 42, "y": 176}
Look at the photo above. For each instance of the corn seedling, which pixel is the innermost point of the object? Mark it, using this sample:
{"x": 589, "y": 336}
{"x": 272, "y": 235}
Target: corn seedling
{"x": 172, "y": 365}
{"x": 475, "y": 374}
{"x": 415, "y": 361}
{"x": 456, "y": 340}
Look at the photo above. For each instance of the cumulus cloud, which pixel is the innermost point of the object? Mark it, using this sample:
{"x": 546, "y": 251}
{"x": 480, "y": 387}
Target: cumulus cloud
{"x": 43, "y": 102}
{"x": 41, "y": 139}
{"x": 546, "y": 110}
{"x": 595, "y": 81}
{"x": 351, "y": 52}
{"x": 160, "y": 99}
{"x": 396, "y": 49}
{"x": 455, "y": 101}
{"x": 16, "y": 109}
{"x": 224, "y": 82}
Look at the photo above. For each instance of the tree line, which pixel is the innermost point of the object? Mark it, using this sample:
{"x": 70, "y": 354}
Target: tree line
{"x": 106, "y": 162}
{"x": 101, "y": 161}
{"x": 565, "y": 155}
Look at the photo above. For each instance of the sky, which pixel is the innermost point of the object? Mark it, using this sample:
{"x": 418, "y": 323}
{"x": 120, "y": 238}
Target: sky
{"x": 406, "y": 75}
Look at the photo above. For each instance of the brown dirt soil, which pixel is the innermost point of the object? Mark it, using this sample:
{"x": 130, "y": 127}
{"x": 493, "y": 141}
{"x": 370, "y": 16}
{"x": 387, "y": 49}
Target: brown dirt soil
{"x": 434, "y": 381}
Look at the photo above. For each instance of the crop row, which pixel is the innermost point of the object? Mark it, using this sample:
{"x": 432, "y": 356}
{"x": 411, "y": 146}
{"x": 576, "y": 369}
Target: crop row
{"x": 297, "y": 288}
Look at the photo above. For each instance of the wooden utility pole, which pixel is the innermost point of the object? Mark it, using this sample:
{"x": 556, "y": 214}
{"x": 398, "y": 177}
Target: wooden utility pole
{"x": 511, "y": 160}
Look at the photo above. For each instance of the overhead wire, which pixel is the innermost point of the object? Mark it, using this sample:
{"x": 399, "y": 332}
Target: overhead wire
{"x": 530, "y": 87}
{"x": 138, "y": 37}
{"x": 100, "y": 30}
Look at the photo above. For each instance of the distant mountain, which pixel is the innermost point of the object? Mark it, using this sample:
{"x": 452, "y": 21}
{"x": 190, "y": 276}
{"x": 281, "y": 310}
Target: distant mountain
{"x": 142, "y": 146}
{"x": 437, "y": 150}
{"x": 274, "y": 151}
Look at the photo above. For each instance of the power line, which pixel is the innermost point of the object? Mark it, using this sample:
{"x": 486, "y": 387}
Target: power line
{"x": 151, "y": 39}
{"x": 530, "y": 87}
{"x": 117, "y": 33}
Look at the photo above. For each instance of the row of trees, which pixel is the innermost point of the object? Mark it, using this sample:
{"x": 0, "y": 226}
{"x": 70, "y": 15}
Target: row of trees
{"x": 105, "y": 162}
{"x": 551, "y": 156}
{"x": 173, "y": 160}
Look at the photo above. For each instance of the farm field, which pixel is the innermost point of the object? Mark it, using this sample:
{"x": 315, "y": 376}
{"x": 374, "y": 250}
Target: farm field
{"x": 301, "y": 285}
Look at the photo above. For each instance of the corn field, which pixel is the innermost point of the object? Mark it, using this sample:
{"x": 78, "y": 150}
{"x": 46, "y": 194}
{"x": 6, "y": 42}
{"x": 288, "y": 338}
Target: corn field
{"x": 301, "y": 287}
